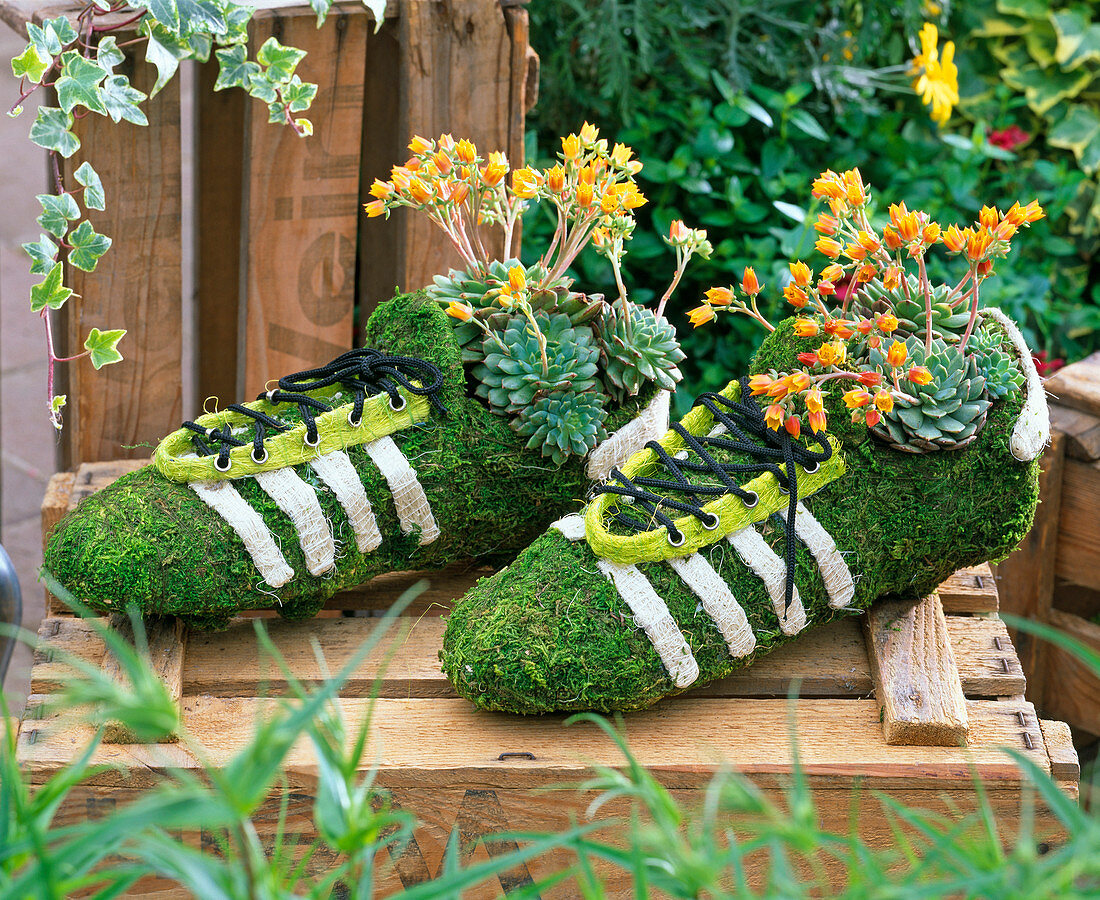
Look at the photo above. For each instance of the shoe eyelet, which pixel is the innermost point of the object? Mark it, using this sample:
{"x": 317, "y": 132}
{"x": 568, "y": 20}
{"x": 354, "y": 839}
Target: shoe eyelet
{"x": 749, "y": 504}
{"x": 784, "y": 491}
{"x": 402, "y": 405}
{"x": 315, "y": 442}
{"x": 713, "y": 520}
{"x": 810, "y": 471}
{"x": 228, "y": 464}
{"x": 354, "y": 423}
{"x": 259, "y": 460}
{"x": 673, "y": 543}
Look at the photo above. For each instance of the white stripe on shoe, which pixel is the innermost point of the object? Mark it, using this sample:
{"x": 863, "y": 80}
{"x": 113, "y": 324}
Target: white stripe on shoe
{"x": 718, "y": 602}
{"x": 652, "y": 616}
{"x": 834, "y": 571}
{"x": 571, "y": 526}
{"x": 758, "y": 556}
{"x": 336, "y": 471}
{"x": 224, "y": 499}
{"x": 299, "y": 502}
{"x": 1031, "y": 432}
{"x": 409, "y": 498}
{"x": 649, "y": 425}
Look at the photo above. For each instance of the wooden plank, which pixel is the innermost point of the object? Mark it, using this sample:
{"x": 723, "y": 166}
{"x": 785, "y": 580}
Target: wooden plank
{"x": 1078, "y": 685}
{"x": 1025, "y": 579}
{"x": 826, "y": 662}
{"x": 219, "y": 175}
{"x": 442, "y": 743}
{"x": 456, "y": 77}
{"x": 94, "y": 476}
{"x": 166, "y": 641}
{"x": 301, "y": 201}
{"x": 1082, "y": 432}
{"x": 1078, "y": 557}
{"x": 136, "y": 285}
{"x": 916, "y": 677}
{"x": 55, "y": 503}
{"x": 1064, "y": 764}
{"x": 1078, "y": 386}
{"x": 969, "y": 590}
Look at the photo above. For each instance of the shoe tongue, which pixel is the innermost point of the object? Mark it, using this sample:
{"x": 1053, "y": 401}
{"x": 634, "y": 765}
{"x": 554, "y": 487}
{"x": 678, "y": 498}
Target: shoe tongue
{"x": 413, "y": 325}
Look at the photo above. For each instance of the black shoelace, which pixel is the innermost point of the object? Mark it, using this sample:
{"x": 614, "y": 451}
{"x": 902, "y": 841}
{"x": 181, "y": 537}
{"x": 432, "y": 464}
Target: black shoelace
{"x": 747, "y": 433}
{"x": 363, "y": 372}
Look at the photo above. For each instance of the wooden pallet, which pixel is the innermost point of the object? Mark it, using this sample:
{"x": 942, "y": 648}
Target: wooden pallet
{"x": 884, "y": 704}
{"x": 285, "y": 260}
{"x": 1054, "y": 576}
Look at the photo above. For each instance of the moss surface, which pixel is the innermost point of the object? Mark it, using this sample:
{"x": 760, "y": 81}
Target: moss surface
{"x": 550, "y": 632}
{"x": 150, "y": 541}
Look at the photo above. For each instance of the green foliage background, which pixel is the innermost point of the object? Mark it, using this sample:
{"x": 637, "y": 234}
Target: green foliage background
{"x": 735, "y": 106}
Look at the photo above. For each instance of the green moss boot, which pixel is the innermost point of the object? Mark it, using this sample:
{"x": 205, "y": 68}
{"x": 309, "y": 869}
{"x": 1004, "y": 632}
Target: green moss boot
{"x": 677, "y": 572}
{"x": 381, "y": 461}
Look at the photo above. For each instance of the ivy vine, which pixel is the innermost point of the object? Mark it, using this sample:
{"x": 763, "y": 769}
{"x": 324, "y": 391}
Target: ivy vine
{"x": 77, "y": 56}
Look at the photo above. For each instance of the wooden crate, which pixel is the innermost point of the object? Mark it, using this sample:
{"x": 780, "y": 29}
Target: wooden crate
{"x": 1054, "y": 577}
{"x": 885, "y": 704}
{"x": 283, "y": 261}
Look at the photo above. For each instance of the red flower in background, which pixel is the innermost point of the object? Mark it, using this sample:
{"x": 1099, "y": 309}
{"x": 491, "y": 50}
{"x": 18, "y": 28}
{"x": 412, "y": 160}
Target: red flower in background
{"x": 1009, "y": 138}
{"x": 1044, "y": 367}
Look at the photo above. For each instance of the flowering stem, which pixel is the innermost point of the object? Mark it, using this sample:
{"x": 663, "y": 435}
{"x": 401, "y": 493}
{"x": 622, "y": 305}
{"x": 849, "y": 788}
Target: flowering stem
{"x": 973, "y": 315}
{"x": 681, "y": 265}
{"x": 957, "y": 290}
{"x": 622, "y": 287}
{"x": 927, "y": 304}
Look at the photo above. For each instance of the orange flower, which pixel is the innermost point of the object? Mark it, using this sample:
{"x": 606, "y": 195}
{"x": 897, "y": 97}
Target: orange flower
{"x": 891, "y": 239}
{"x": 587, "y": 174}
{"x": 759, "y": 384}
{"x": 856, "y": 398}
{"x": 793, "y": 426}
{"x": 1033, "y": 212}
{"x": 908, "y": 227}
{"x": 869, "y": 242}
{"x": 678, "y": 231}
{"x": 589, "y": 133}
{"x": 815, "y": 401}
{"x": 887, "y": 323}
{"x": 749, "y": 283}
{"x": 400, "y": 177}
{"x": 920, "y": 375}
{"x": 830, "y": 247}
{"x": 954, "y": 239}
{"x": 832, "y": 354}
{"x": 466, "y": 151}
{"x": 898, "y": 211}
{"x": 795, "y": 296}
{"x": 381, "y": 189}
{"x": 720, "y": 296}
{"x": 1004, "y": 231}
{"x": 778, "y": 389}
{"x": 930, "y": 233}
{"x": 442, "y": 162}
{"x": 701, "y": 315}
{"x": 571, "y": 147}
{"x": 842, "y": 328}
{"x": 855, "y": 252}
{"x": 855, "y": 191}
{"x": 817, "y": 421}
{"x": 826, "y": 288}
{"x": 866, "y": 273}
{"x": 620, "y": 154}
{"x": 584, "y": 195}
{"x": 891, "y": 278}
{"x": 805, "y": 327}
{"x": 797, "y": 382}
{"x": 460, "y": 311}
{"x": 633, "y": 198}
{"x": 865, "y": 326}
{"x": 884, "y": 400}
{"x": 870, "y": 379}
{"x": 978, "y": 244}
{"x": 827, "y": 184}
{"x": 832, "y": 272}
{"x": 460, "y": 190}
{"x": 497, "y": 168}
{"x": 420, "y": 145}
{"x": 517, "y": 279}
{"x": 989, "y": 217}
{"x": 609, "y": 203}
{"x": 1016, "y": 215}
{"x": 827, "y": 224}
{"x": 801, "y": 273}
{"x": 525, "y": 183}
{"x": 773, "y": 417}
{"x": 897, "y": 354}
{"x": 446, "y": 143}
{"x": 808, "y": 359}
{"x": 555, "y": 179}
{"x": 873, "y": 418}
{"x": 376, "y": 208}
{"x": 419, "y": 191}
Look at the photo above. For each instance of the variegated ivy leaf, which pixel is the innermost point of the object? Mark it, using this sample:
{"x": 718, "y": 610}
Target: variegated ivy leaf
{"x": 165, "y": 50}
{"x": 203, "y": 16}
{"x": 164, "y": 11}
{"x": 321, "y": 7}
{"x": 298, "y": 94}
{"x": 235, "y": 68}
{"x": 88, "y": 246}
{"x": 30, "y": 64}
{"x": 79, "y": 83}
{"x": 94, "y": 197}
{"x": 50, "y": 291}
{"x": 121, "y": 100}
{"x": 57, "y": 403}
{"x": 279, "y": 61}
{"x": 237, "y": 18}
{"x": 63, "y": 28}
{"x": 262, "y": 88}
{"x": 304, "y": 126}
{"x": 103, "y": 346}
{"x": 57, "y": 211}
{"x": 45, "y": 40}
{"x": 43, "y": 254}
{"x": 51, "y": 130}
{"x": 378, "y": 8}
{"x": 108, "y": 55}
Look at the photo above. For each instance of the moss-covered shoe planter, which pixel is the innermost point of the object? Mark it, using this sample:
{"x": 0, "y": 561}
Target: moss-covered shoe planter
{"x": 677, "y": 571}
{"x": 379, "y": 462}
